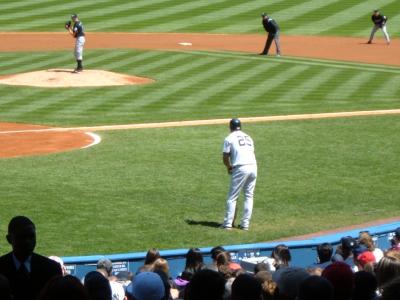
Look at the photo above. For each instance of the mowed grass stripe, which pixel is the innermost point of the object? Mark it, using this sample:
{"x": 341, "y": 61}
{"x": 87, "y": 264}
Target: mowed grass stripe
{"x": 168, "y": 22}
{"x": 282, "y": 13}
{"x": 169, "y": 8}
{"x": 268, "y": 82}
{"x": 313, "y": 80}
{"x": 228, "y": 12}
{"x": 339, "y": 17}
{"x": 363, "y": 91}
{"x": 343, "y": 91}
{"x": 327, "y": 85}
{"x": 43, "y": 63}
{"x": 389, "y": 89}
{"x": 192, "y": 74}
{"x": 35, "y": 11}
{"x": 171, "y": 74}
{"x": 113, "y": 99}
{"x": 228, "y": 86}
{"x": 10, "y": 62}
{"x": 196, "y": 84}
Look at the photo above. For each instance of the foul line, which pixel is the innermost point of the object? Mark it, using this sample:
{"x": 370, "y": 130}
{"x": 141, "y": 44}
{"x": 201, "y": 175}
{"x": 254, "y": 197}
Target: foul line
{"x": 214, "y": 121}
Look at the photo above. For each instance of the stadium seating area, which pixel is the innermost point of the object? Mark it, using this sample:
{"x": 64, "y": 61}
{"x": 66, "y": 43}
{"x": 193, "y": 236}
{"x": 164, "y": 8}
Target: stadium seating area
{"x": 356, "y": 270}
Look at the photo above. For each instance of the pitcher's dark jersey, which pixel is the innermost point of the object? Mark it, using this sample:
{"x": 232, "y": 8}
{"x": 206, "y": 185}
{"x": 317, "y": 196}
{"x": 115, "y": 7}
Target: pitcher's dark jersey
{"x": 78, "y": 29}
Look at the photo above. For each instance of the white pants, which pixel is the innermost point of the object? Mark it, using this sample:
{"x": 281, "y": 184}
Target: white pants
{"x": 242, "y": 178}
{"x": 78, "y": 52}
{"x": 385, "y": 33}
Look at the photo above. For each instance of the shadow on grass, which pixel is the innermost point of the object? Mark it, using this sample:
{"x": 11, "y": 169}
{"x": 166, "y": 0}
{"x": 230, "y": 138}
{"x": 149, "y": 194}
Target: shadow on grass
{"x": 203, "y": 223}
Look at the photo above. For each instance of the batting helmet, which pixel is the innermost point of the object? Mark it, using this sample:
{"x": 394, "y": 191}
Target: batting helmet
{"x": 235, "y": 124}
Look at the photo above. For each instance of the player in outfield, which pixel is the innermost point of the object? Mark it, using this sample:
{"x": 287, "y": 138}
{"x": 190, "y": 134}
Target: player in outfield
{"x": 239, "y": 158}
{"x": 75, "y": 28}
{"x": 379, "y": 21}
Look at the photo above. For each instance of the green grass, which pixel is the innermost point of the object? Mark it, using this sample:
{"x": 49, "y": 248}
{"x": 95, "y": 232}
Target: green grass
{"x": 137, "y": 188}
{"x": 310, "y": 17}
{"x": 196, "y": 85}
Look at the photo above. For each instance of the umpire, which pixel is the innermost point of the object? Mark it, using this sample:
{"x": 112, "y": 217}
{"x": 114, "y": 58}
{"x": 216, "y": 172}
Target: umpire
{"x": 273, "y": 34}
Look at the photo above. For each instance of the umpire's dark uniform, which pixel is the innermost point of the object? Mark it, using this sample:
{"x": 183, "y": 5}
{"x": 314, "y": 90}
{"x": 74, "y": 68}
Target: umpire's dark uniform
{"x": 273, "y": 34}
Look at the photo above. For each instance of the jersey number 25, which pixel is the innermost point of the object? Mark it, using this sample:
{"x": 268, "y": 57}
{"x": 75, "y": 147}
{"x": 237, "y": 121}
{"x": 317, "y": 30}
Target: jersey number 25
{"x": 244, "y": 140}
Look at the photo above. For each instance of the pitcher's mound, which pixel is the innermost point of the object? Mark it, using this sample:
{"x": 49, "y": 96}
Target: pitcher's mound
{"x": 56, "y": 78}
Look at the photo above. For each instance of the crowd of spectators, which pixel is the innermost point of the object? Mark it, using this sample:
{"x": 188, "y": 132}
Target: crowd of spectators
{"x": 355, "y": 270}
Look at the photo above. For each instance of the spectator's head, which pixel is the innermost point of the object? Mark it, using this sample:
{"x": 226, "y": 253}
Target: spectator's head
{"x": 325, "y": 252}
{"x": 105, "y": 266}
{"x": 215, "y": 251}
{"x": 194, "y": 259}
{"x": 64, "y": 288}
{"x": 365, "y": 286}
{"x": 22, "y": 237}
{"x": 267, "y": 284}
{"x": 289, "y": 282}
{"x": 315, "y": 288}
{"x": 364, "y": 238}
{"x": 342, "y": 278}
{"x": 222, "y": 262}
{"x": 281, "y": 255}
{"x": 151, "y": 256}
{"x": 97, "y": 286}
{"x": 391, "y": 290}
{"x": 61, "y": 263}
{"x": 124, "y": 278}
{"x": 388, "y": 267}
{"x": 147, "y": 286}
{"x": 396, "y": 236}
{"x": 205, "y": 284}
{"x": 262, "y": 266}
{"x": 5, "y": 289}
{"x": 161, "y": 265}
{"x": 365, "y": 261}
{"x": 246, "y": 287}
{"x": 347, "y": 245}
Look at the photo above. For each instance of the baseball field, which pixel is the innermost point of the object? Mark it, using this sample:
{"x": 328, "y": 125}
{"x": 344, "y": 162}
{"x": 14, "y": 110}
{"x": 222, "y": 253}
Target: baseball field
{"x": 153, "y": 183}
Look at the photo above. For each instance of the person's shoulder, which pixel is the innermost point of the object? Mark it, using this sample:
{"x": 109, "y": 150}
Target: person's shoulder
{"x": 6, "y": 258}
{"x": 44, "y": 261}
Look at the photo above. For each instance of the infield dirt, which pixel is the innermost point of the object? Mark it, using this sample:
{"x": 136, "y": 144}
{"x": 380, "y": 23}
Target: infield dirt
{"x": 332, "y": 48}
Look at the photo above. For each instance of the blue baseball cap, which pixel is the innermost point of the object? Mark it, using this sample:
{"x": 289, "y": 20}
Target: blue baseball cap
{"x": 146, "y": 286}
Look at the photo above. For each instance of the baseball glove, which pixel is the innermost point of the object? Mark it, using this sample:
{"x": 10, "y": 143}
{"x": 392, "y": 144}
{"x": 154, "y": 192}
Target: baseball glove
{"x": 67, "y": 25}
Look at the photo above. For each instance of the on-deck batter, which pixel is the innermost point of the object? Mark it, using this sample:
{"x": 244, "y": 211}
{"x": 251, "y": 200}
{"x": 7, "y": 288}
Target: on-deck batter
{"x": 239, "y": 158}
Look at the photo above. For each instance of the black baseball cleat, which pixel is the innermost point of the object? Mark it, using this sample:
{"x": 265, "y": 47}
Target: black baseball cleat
{"x": 369, "y": 42}
{"x": 77, "y": 70}
{"x": 243, "y": 228}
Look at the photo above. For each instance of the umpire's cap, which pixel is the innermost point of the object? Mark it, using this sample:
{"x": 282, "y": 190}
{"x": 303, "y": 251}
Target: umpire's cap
{"x": 235, "y": 124}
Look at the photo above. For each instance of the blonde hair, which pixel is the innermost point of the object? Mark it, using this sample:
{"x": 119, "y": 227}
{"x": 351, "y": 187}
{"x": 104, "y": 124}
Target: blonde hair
{"x": 365, "y": 239}
{"x": 161, "y": 264}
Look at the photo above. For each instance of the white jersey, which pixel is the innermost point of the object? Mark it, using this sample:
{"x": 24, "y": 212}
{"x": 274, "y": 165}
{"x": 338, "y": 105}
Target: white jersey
{"x": 240, "y": 146}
